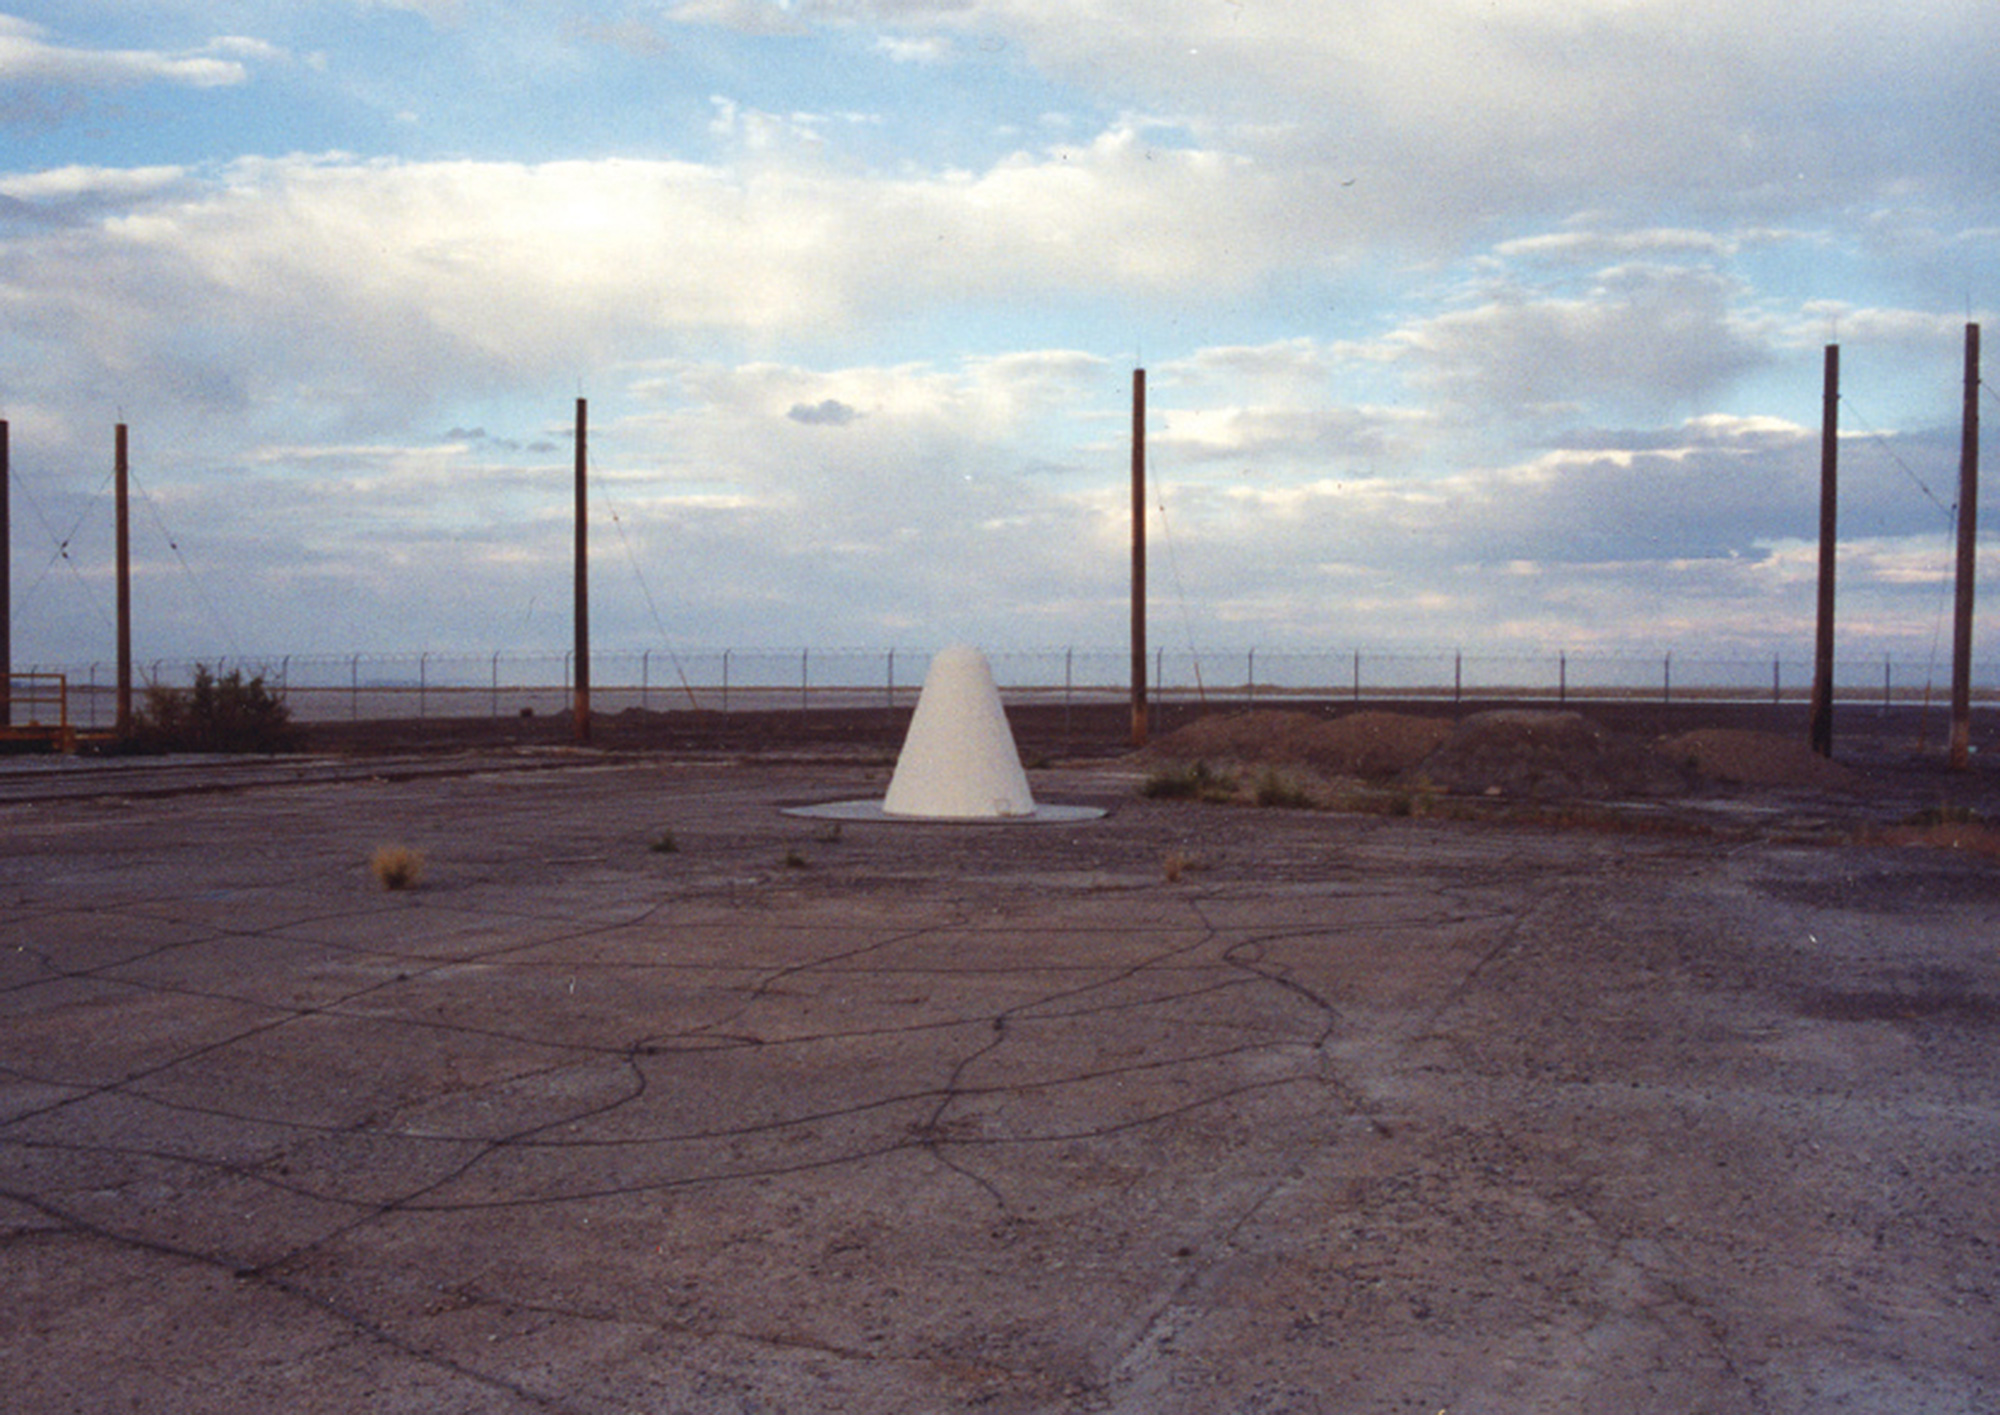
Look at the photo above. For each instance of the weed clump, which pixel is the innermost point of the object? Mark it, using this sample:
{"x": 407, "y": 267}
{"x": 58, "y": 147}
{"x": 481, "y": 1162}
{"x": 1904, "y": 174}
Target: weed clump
{"x": 1201, "y": 782}
{"x": 1398, "y": 803}
{"x": 1276, "y": 790}
{"x": 665, "y": 844}
{"x": 396, "y": 866}
{"x": 1190, "y": 783}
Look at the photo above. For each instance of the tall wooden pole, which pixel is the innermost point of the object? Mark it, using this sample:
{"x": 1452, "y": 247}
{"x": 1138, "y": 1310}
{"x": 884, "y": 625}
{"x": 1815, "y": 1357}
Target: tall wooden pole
{"x": 6, "y": 583}
{"x": 1138, "y": 557}
{"x": 121, "y": 470}
{"x": 1968, "y": 535}
{"x": 1829, "y": 464}
{"x": 582, "y": 576}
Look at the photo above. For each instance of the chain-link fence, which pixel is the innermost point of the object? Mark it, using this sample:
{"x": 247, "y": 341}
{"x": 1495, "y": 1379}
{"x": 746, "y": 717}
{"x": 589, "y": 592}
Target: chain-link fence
{"x": 360, "y": 686}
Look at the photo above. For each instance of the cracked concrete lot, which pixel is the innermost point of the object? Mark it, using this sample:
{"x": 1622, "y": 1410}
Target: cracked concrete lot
{"x": 650, "y": 1098}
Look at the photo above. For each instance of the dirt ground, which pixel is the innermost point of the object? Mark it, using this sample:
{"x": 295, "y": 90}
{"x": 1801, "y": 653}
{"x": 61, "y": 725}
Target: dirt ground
{"x": 648, "y": 1097}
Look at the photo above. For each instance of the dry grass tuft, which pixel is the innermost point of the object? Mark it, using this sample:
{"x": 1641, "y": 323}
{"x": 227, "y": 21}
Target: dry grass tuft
{"x": 1276, "y": 789}
{"x": 1198, "y": 782}
{"x": 396, "y": 866}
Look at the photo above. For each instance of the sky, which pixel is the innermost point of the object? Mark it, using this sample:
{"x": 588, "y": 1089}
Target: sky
{"x": 1487, "y": 324}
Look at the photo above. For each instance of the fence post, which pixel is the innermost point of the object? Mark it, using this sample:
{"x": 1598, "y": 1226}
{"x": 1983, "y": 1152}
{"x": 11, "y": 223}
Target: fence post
{"x": 423, "y": 682}
{"x": 1357, "y": 675}
{"x": 1562, "y": 677}
{"x": 1069, "y": 667}
{"x": 645, "y": 679}
{"x": 1887, "y": 698}
{"x": 1250, "y": 680}
{"x": 354, "y": 688}
{"x": 1667, "y": 680}
{"x": 1457, "y": 676}
{"x": 805, "y": 680}
{"x": 892, "y": 681}
{"x": 496, "y": 684}
{"x": 1777, "y": 694}
{"x": 725, "y": 682}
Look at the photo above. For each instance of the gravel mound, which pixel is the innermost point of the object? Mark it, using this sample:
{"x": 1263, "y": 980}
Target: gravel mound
{"x": 1375, "y": 746}
{"x": 1547, "y": 756}
{"x": 1517, "y": 753}
{"x": 1756, "y": 759}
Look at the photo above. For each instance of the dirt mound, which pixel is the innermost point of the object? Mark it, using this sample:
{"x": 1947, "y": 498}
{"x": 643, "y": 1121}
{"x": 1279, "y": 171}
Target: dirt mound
{"x": 1372, "y": 745}
{"x": 1519, "y": 753}
{"x": 1755, "y": 759}
{"x": 1547, "y": 755}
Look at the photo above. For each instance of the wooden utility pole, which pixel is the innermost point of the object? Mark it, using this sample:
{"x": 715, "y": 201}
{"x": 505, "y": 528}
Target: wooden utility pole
{"x": 1968, "y": 535}
{"x": 6, "y": 585}
{"x": 1138, "y": 557}
{"x": 582, "y": 577}
{"x": 1829, "y": 459}
{"x": 121, "y": 471}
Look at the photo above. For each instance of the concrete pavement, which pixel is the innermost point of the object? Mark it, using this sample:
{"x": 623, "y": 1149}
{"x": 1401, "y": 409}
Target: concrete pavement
{"x": 651, "y": 1098}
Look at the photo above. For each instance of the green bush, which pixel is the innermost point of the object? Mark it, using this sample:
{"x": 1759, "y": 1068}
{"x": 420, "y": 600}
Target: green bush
{"x": 220, "y": 713}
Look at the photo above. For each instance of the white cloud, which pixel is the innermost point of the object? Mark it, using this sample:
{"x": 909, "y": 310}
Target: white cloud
{"x": 1594, "y": 247}
{"x": 1645, "y": 338}
{"x": 59, "y": 186}
{"x": 28, "y": 56}
{"x": 905, "y": 49}
{"x": 1821, "y": 320}
{"x": 438, "y": 12}
{"x": 388, "y": 281}
{"x": 759, "y": 17}
{"x": 1365, "y": 440}
{"x": 246, "y": 47}
{"x": 1452, "y": 112}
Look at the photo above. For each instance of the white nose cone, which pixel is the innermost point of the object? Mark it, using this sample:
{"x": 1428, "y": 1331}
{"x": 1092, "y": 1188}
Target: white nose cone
{"x": 959, "y": 759}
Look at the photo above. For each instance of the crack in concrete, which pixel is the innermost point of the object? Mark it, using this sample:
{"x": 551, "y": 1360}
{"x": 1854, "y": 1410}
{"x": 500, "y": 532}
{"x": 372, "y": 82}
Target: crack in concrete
{"x": 743, "y": 1102}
